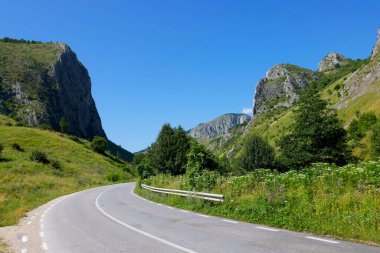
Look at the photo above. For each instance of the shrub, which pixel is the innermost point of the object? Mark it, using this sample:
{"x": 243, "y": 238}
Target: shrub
{"x": 45, "y": 127}
{"x": 56, "y": 164}
{"x": 63, "y": 125}
{"x": 99, "y": 144}
{"x": 257, "y": 153}
{"x": 375, "y": 140}
{"x": 358, "y": 127}
{"x": 39, "y": 156}
{"x": 17, "y": 147}
{"x": 113, "y": 177}
{"x": 1, "y": 148}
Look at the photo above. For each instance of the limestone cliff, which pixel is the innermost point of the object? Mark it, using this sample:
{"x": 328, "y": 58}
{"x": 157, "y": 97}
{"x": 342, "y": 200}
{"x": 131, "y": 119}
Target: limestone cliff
{"x": 219, "y": 126}
{"x": 41, "y": 83}
{"x": 281, "y": 87}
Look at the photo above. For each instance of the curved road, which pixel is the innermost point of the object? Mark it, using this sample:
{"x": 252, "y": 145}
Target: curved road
{"x": 113, "y": 219}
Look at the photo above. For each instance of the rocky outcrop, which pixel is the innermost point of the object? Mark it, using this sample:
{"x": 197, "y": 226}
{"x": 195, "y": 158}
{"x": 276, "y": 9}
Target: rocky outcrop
{"x": 41, "y": 83}
{"x": 281, "y": 87}
{"x": 363, "y": 83}
{"x": 218, "y": 126}
{"x": 331, "y": 61}
{"x": 376, "y": 48}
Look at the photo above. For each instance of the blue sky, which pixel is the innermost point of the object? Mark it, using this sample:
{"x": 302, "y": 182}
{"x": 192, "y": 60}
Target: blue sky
{"x": 188, "y": 61}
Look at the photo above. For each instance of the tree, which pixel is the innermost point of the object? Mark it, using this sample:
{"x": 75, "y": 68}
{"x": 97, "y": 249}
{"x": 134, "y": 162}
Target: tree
{"x": 63, "y": 125}
{"x": 199, "y": 159}
{"x": 375, "y": 140}
{"x": 257, "y": 153}
{"x": 168, "y": 153}
{"x": 99, "y": 144}
{"x": 317, "y": 135}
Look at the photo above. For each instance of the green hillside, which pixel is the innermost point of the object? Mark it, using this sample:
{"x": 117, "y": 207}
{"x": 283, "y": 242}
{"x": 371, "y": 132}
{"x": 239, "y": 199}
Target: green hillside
{"x": 73, "y": 166}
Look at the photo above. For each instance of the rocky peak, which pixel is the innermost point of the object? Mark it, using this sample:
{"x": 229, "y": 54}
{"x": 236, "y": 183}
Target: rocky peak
{"x": 281, "y": 87}
{"x": 219, "y": 126}
{"x": 277, "y": 71}
{"x": 376, "y": 48}
{"x": 55, "y": 85}
{"x": 331, "y": 61}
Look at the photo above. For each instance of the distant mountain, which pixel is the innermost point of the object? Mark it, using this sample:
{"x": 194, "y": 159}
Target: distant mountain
{"x": 42, "y": 83}
{"x": 350, "y": 86}
{"x": 219, "y": 126}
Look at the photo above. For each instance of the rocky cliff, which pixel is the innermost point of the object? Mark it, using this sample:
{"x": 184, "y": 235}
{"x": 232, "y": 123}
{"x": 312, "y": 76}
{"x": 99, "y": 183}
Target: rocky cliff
{"x": 331, "y": 61}
{"x": 281, "y": 87}
{"x": 362, "y": 88}
{"x": 218, "y": 126}
{"x": 41, "y": 83}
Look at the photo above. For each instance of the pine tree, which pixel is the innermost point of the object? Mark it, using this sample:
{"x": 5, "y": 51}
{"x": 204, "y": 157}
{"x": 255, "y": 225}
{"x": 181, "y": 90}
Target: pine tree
{"x": 168, "y": 153}
{"x": 63, "y": 125}
{"x": 317, "y": 136}
{"x": 257, "y": 153}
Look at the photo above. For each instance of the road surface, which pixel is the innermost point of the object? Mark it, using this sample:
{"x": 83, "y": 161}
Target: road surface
{"x": 114, "y": 219}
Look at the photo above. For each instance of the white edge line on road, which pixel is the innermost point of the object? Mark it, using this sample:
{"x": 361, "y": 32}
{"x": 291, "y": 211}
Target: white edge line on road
{"x": 170, "y": 207}
{"x": 138, "y": 230}
{"x": 202, "y": 215}
{"x": 320, "y": 239}
{"x": 184, "y": 211}
{"x": 268, "y": 229}
{"x": 231, "y": 221}
{"x": 24, "y": 238}
{"x": 44, "y": 246}
{"x": 29, "y": 222}
{"x": 23, "y": 251}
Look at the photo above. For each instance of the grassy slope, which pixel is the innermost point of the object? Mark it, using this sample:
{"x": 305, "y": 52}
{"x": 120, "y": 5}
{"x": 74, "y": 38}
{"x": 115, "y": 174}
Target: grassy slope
{"x": 340, "y": 202}
{"x": 25, "y": 185}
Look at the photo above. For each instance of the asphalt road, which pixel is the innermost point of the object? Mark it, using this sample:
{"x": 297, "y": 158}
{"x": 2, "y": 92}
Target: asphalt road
{"x": 113, "y": 219}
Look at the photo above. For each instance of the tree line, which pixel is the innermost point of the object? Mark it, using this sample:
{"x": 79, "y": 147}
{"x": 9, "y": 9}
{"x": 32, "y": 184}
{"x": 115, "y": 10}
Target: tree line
{"x": 317, "y": 135}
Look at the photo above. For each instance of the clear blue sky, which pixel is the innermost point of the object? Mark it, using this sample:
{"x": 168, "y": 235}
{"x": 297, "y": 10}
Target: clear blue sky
{"x": 188, "y": 61}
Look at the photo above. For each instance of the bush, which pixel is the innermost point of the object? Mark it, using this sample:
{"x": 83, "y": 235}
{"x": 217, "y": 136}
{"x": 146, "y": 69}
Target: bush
{"x": 39, "y": 156}
{"x": 257, "y": 153}
{"x": 45, "y": 127}
{"x": 375, "y": 140}
{"x": 17, "y": 147}
{"x": 113, "y": 177}
{"x": 99, "y": 144}
{"x": 56, "y": 164}
{"x": 358, "y": 127}
{"x": 1, "y": 148}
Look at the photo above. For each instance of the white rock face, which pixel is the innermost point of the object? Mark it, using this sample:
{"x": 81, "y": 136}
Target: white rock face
{"x": 376, "y": 48}
{"x": 218, "y": 126}
{"x": 331, "y": 61}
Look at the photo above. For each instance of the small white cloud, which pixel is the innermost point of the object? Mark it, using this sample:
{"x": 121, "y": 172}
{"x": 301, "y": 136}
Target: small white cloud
{"x": 248, "y": 111}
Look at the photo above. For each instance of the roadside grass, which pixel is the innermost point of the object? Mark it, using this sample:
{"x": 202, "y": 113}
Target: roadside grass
{"x": 341, "y": 202}
{"x": 73, "y": 166}
{"x": 3, "y": 246}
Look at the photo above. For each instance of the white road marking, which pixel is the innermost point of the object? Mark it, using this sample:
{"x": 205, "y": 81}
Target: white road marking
{"x": 170, "y": 207}
{"x": 42, "y": 234}
{"x": 184, "y": 211}
{"x": 43, "y": 216}
{"x": 138, "y": 230}
{"x": 202, "y": 215}
{"x": 159, "y": 204}
{"x": 231, "y": 221}
{"x": 24, "y": 238}
{"x": 320, "y": 239}
{"x": 29, "y": 222}
{"x": 23, "y": 251}
{"x": 44, "y": 246}
{"x": 268, "y": 229}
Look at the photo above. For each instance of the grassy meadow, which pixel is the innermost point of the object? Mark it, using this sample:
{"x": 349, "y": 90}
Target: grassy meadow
{"x": 73, "y": 166}
{"x": 342, "y": 202}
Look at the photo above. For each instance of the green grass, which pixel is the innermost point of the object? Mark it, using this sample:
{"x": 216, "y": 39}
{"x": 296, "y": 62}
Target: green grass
{"x": 3, "y": 247}
{"x": 25, "y": 184}
{"x": 327, "y": 200}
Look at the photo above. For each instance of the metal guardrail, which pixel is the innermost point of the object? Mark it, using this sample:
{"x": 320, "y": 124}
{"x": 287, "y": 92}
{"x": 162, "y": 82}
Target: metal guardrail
{"x": 199, "y": 195}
